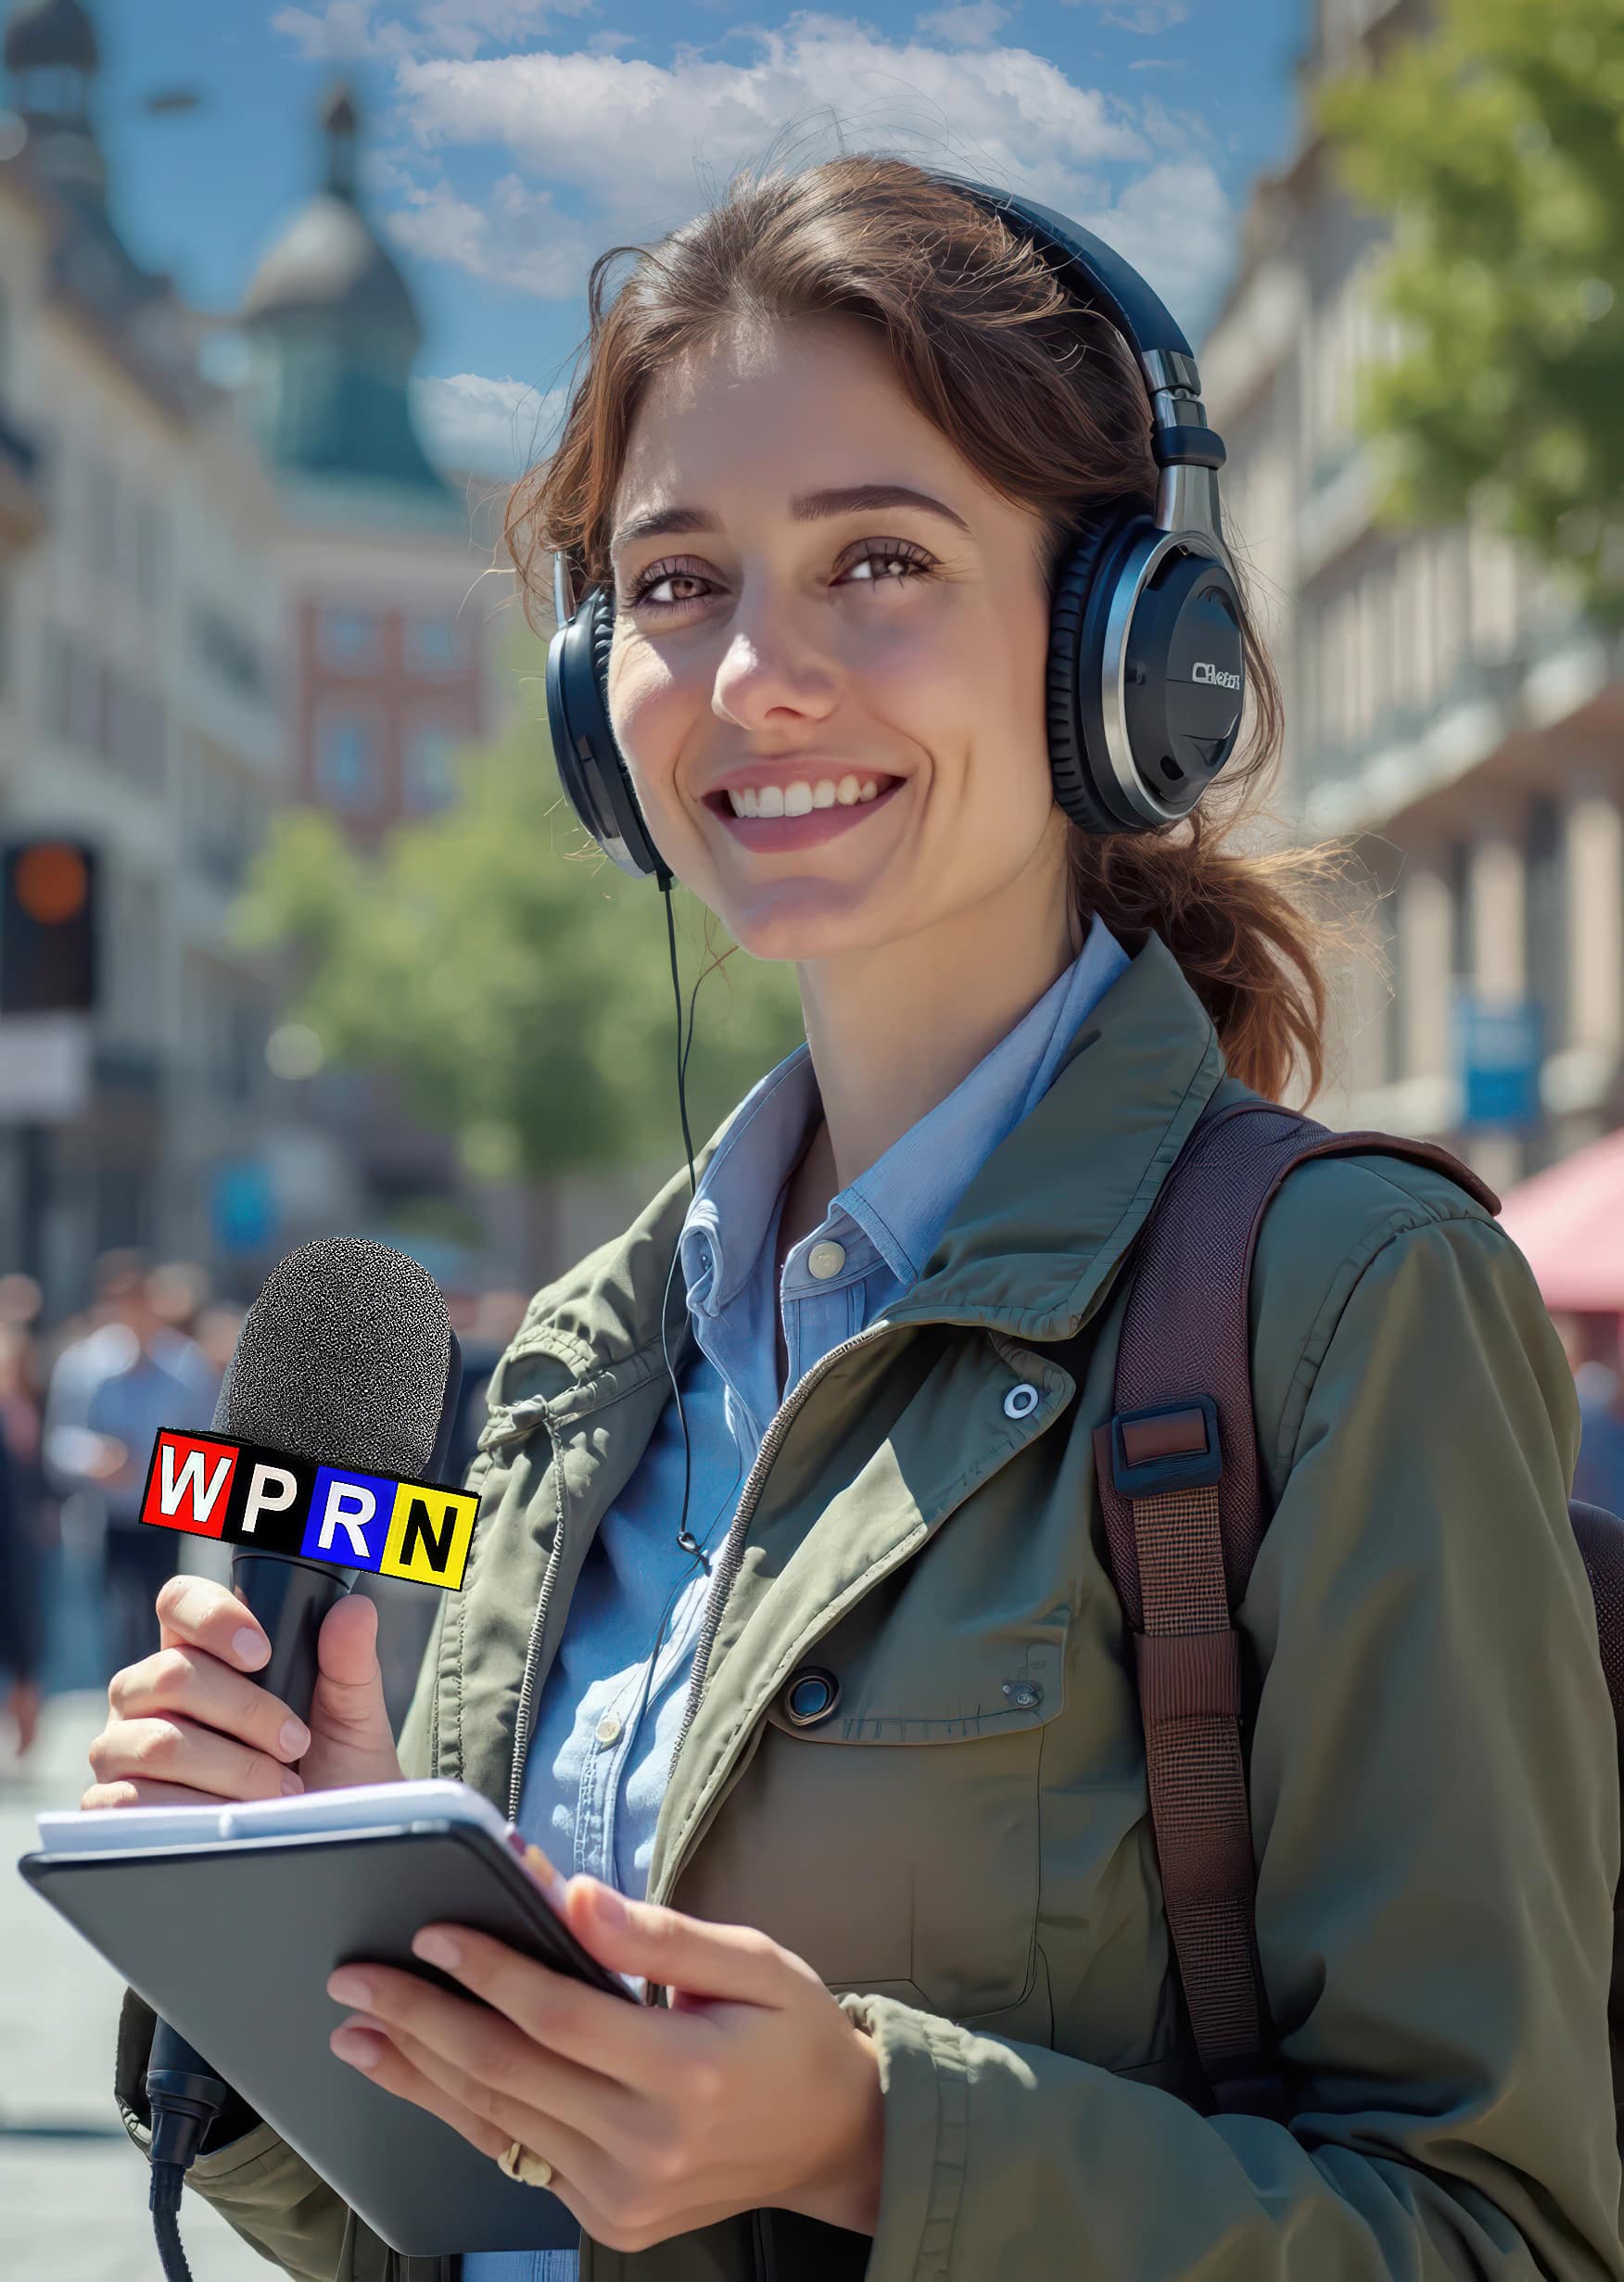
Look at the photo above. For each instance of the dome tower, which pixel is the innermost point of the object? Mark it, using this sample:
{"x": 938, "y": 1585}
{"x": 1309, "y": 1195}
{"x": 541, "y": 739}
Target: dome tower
{"x": 333, "y": 336}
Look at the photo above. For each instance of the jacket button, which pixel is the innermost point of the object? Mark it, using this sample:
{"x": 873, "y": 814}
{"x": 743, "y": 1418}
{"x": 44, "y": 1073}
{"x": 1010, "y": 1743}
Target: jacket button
{"x": 810, "y": 1696}
{"x": 1023, "y": 1693}
{"x": 826, "y": 1258}
{"x": 1020, "y": 1402}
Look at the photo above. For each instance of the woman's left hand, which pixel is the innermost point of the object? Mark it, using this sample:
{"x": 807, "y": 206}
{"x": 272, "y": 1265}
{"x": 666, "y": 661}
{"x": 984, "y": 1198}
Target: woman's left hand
{"x": 752, "y": 2089}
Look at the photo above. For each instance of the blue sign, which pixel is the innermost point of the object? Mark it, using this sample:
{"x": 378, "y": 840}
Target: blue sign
{"x": 243, "y": 1206}
{"x": 1499, "y": 1047}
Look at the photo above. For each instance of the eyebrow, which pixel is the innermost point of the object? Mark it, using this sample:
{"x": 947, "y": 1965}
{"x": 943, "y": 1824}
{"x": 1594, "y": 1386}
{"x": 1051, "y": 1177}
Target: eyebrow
{"x": 811, "y": 507}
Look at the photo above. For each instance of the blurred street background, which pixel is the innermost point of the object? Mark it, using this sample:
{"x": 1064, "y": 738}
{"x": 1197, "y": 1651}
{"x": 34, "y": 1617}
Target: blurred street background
{"x": 296, "y": 936}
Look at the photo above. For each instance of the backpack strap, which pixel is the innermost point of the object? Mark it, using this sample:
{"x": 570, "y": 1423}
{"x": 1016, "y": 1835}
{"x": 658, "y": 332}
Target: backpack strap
{"x": 1181, "y": 1490}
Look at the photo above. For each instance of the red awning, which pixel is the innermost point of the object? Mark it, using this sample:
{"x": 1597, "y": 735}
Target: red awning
{"x": 1568, "y": 1222}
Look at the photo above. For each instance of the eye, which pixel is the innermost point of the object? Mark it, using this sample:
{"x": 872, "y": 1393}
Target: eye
{"x": 915, "y": 562}
{"x": 885, "y": 555}
{"x": 657, "y": 576}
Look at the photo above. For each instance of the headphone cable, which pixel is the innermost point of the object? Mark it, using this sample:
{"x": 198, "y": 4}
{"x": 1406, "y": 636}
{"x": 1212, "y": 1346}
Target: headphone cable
{"x": 689, "y": 1543}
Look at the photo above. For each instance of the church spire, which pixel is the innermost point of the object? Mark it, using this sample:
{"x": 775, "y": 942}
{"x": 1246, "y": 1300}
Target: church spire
{"x": 340, "y": 123}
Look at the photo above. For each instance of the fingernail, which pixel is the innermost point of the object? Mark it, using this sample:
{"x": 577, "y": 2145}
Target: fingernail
{"x": 348, "y": 1986}
{"x": 294, "y": 1737}
{"x": 363, "y": 2047}
{"x": 291, "y": 1783}
{"x": 250, "y": 1647}
{"x": 610, "y": 1909}
{"x": 437, "y": 1948}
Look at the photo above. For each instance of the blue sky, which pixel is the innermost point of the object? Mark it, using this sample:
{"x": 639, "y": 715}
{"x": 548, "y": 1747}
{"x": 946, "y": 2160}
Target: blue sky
{"x": 509, "y": 141}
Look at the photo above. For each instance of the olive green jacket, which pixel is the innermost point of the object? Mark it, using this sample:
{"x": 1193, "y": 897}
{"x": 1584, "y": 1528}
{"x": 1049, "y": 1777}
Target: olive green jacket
{"x": 1433, "y": 1782}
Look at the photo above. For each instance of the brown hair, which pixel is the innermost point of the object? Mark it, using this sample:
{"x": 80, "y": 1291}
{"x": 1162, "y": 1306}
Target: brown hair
{"x": 1044, "y": 399}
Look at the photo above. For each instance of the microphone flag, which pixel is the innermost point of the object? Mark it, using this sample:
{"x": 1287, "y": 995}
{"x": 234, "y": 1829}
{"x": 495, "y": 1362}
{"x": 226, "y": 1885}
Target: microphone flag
{"x": 216, "y": 1485}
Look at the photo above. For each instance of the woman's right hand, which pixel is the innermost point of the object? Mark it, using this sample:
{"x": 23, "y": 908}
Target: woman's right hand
{"x": 187, "y": 1727}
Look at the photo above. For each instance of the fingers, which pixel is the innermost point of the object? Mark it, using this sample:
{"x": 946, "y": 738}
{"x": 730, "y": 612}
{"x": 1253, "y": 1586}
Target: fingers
{"x": 175, "y": 1749}
{"x": 601, "y": 2032}
{"x": 135, "y": 1793}
{"x": 190, "y": 1681}
{"x": 495, "y": 2056}
{"x": 199, "y": 1612}
{"x": 414, "y": 2070}
{"x": 400, "y": 2075}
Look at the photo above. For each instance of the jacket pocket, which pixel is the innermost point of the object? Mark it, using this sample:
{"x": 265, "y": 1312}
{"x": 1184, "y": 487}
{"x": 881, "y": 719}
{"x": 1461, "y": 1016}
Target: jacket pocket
{"x": 901, "y": 1767}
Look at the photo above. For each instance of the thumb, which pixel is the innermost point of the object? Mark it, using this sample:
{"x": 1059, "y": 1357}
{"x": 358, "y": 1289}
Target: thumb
{"x": 668, "y": 1946}
{"x": 348, "y": 1704}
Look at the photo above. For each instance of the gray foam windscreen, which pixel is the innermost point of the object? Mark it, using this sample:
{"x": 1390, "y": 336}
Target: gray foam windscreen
{"x": 343, "y": 1358}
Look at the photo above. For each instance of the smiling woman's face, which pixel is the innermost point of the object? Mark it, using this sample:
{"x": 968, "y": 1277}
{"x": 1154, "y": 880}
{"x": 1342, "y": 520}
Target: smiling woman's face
{"x": 893, "y": 643}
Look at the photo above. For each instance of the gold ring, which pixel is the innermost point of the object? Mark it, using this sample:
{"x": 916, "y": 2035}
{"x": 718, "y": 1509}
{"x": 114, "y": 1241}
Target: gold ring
{"x": 523, "y": 2164}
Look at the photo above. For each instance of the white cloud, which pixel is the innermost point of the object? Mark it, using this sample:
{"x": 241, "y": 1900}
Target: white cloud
{"x": 488, "y": 427}
{"x": 1146, "y": 16}
{"x": 1016, "y": 119}
{"x": 970, "y": 23}
{"x": 1175, "y": 224}
{"x": 514, "y": 238}
{"x": 819, "y": 83}
{"x": 462, "y": 27}
{"x": 344, "y": 29}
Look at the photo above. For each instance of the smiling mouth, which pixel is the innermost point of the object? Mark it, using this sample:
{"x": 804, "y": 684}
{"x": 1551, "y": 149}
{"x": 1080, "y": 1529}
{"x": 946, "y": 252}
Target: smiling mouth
{"x": 720, "y": 803}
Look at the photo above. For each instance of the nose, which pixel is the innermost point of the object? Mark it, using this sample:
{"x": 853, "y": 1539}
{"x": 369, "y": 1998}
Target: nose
{"x": 770, "y": 665}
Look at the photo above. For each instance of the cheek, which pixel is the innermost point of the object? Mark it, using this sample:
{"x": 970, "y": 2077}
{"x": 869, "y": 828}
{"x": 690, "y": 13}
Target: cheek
{"x": 652, "y": 713}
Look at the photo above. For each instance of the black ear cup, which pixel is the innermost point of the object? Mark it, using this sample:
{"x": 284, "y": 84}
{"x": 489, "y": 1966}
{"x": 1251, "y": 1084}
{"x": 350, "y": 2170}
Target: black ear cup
{"x": 590, "y": 770}
{"x": 1147, "y": 672}
{"x": 1084, "y": 781}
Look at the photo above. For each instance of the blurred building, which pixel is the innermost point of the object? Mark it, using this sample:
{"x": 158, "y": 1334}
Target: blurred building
{"x": 214, "y": 599}
{"x": 1444, "y": 703}
{"x": 388, "y": 653}
{"x": 392, "y": 616}
{"x": 139, "y": 690}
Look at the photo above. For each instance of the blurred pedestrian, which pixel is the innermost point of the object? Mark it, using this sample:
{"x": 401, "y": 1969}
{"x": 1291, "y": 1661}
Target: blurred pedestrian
{"x": 1592, "y": 1342}
{"x": 22, "y": 1500}
{"x": 109, "y": 1394}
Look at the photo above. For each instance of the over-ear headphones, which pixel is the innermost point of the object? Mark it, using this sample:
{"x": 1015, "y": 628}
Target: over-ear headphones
{"x": 1146, "y": 675}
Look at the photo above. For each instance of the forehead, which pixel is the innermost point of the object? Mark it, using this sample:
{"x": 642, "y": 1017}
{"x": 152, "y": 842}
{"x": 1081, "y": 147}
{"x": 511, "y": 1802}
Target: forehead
{"x": 815, "y": 401}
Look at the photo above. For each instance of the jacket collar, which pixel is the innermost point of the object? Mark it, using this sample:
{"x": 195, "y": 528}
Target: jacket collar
{"x": 1029, "y": 1242}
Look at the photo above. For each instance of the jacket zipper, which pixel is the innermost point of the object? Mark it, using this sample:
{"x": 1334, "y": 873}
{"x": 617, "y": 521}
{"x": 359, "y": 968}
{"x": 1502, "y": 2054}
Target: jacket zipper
{"x": 517, "y": 1427}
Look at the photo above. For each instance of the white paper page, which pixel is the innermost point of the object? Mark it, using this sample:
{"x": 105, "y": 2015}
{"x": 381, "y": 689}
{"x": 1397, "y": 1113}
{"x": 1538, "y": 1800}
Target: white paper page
{"x": 355, "y": 1807}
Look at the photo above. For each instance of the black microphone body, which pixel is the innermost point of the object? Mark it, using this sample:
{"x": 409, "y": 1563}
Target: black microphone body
{"x": 346, "y": 1357}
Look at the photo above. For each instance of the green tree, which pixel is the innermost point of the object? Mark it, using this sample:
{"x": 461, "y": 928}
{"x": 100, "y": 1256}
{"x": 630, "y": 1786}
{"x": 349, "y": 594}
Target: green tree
{"x": 1496, "y": 141}
{"x": 518, "y": 989}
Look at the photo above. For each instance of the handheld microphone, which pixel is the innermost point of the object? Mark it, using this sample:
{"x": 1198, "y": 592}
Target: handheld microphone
{"x": 347, "y": 1358}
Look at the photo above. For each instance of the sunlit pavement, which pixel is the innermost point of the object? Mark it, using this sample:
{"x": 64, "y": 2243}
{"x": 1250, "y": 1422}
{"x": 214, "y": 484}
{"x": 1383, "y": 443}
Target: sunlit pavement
{"x": 73, "y": 2188}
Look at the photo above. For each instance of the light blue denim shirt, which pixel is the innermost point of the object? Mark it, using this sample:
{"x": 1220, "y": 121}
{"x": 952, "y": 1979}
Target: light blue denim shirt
{"x": 608, "y": 1716}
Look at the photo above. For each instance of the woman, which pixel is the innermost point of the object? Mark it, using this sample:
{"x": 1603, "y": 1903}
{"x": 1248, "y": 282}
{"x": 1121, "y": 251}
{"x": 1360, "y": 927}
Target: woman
{"x": 880, "y": 1814}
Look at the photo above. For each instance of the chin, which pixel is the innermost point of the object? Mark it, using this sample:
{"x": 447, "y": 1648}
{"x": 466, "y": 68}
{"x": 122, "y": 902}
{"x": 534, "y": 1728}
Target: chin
{"x": 803, "y": 924}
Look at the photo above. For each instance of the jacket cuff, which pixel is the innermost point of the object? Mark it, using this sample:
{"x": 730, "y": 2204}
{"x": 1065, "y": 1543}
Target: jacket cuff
{"x": 925, "y": 2082}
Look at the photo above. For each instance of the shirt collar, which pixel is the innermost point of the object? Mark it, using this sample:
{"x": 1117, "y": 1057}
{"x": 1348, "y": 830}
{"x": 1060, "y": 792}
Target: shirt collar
{"x": 904, "y": 1199}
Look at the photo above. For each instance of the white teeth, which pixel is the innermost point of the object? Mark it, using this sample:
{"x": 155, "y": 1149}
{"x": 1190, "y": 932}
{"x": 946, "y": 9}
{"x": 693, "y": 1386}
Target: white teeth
{"x": 798, "y": 799}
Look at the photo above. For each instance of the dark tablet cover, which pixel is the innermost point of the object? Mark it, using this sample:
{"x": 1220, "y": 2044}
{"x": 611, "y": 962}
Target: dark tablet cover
{"x": 231, "y": 1943}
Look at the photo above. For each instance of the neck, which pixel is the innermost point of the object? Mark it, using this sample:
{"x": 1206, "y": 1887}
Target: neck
{"x": 892, "y": 1032}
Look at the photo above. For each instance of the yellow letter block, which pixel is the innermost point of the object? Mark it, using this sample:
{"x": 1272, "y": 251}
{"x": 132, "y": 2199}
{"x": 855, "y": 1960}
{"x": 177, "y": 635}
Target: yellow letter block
{"x": 430, "y": 1531}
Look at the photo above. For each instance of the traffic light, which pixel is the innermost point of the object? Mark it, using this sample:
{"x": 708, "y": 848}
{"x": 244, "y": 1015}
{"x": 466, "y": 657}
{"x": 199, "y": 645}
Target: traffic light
{"x": 47, "y": 927}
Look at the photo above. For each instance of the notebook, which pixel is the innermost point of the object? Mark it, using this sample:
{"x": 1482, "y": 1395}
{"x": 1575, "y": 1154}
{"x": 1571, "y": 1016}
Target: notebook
{"x": 228, "y": 1918}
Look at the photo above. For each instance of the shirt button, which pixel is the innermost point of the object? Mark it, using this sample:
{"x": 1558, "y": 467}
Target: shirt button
{"x": 1020, "y": 1402}
{"x": 608, "y": 1728}
{"x": 826, "y": 1258}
